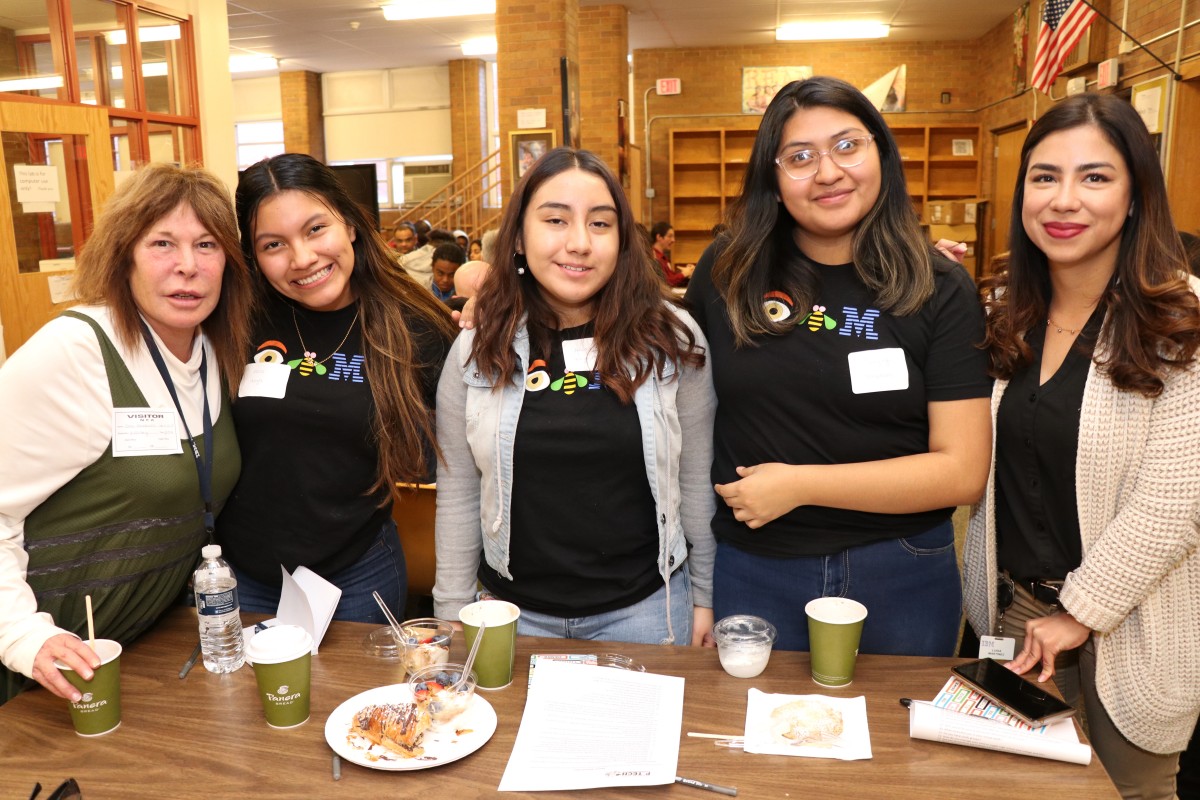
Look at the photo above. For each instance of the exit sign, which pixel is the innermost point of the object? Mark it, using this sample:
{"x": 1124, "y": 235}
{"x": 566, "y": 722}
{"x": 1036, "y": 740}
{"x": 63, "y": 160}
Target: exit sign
{"x": 669, "y": 86}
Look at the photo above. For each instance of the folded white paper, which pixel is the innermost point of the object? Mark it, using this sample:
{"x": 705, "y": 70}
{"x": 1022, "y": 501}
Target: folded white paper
{"x": 585, "y": 727}
{"x": 307, "y": 600}
{"x": 1057, "y": 741}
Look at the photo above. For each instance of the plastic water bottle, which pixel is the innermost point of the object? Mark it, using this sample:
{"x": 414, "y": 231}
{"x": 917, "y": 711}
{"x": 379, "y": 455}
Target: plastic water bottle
{"x": 221, "y": 644}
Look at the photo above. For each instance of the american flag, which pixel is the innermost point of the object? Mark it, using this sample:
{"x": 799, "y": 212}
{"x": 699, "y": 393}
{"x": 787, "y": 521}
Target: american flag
{"x": 1063, "y": 22}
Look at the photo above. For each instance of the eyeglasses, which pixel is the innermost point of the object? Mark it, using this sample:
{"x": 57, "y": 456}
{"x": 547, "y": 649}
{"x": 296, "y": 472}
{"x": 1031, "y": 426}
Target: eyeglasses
{"x": 803, "y": 164}
{"x": 67, "y": 790}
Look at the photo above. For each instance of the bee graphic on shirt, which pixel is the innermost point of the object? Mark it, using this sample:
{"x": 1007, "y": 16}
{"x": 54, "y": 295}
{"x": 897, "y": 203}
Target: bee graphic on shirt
{"x": 778, "y": 306}
{"x": 569, "y": 382}
{"x": 536, "y": 377}
{"x": 817, "y": 318}
{"x": 308, "y": 365}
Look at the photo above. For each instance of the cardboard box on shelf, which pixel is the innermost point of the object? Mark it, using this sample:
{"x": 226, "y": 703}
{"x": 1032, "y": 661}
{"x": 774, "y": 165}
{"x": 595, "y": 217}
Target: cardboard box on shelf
{"x": 954, "y": 212}
{"x": 955, "y": 233}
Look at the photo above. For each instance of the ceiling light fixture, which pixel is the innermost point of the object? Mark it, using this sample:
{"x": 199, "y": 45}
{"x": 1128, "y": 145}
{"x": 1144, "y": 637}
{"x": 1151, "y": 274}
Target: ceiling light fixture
{"x": 150, "y": 33}
{"x": 481, "y": 46}
{"x": 253, "y": 63}
{"x": 423, "y": 9}
{"x": 32, "y": 84}
{"x": 824, "y": 31}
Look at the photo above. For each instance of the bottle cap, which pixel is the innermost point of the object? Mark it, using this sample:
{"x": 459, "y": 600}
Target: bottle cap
{"x": 211, "y": 551}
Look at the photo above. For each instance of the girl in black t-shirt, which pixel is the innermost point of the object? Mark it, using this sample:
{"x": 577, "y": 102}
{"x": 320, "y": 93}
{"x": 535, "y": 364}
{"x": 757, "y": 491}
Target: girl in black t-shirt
{"x": 346, "y": 353}
{"x": 575, "y": 424}
{"x": 852, "y": 413}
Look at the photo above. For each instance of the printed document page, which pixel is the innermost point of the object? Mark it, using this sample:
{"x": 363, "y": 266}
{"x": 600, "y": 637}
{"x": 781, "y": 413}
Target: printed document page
{"x": 585, "y": 727}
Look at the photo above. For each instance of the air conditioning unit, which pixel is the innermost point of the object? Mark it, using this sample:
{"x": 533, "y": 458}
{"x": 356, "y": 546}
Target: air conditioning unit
{"x": 419, "y": 188}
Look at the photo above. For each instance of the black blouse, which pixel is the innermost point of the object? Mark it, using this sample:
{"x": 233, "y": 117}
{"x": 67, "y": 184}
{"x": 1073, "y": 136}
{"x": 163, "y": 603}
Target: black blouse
{"x": 1037, "y": 436}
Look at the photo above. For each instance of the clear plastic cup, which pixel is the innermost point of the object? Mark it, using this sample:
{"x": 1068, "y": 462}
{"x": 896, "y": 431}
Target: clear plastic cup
{"x": 435, "y": 685}
{"x": 744, "y": 644}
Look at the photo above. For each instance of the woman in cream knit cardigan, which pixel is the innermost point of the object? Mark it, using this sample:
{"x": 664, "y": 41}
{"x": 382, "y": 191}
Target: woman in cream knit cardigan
{"x": 1085, "y": 547}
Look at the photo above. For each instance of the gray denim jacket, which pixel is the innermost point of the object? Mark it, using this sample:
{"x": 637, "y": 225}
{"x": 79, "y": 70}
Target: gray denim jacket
{"x": 475, "y": 430}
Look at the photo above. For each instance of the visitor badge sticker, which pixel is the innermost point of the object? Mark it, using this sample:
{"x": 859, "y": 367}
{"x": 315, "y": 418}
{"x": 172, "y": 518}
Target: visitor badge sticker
{"x": 145, "y": 432}
{"x": 264, "y": 379}
{"x": 579, "y": 355}
{"x": 878, "y": 371}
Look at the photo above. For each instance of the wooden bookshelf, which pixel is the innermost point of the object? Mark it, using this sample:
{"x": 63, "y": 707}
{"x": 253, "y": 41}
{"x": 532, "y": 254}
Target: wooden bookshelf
{"x": 707, "y": 166}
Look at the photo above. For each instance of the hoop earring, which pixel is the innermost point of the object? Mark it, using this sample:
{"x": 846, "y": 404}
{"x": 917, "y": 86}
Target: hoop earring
{"x": 519, "y": 260}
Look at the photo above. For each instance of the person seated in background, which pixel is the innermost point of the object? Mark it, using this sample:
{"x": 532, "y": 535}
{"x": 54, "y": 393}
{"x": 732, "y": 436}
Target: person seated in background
{"x": 404, "y": 238}
{"x": 467, "y": 281}
{"x": 447, "y": 258}
{"x": 424, "y": 227}
{"x": 164, "y": 322}
{"x": 419, "y": 263}
{"x": 461, "y": 239}
{"x": 487, "y": 245}
{"x": 662, "y": 237}
{"x": 475, "y": 250}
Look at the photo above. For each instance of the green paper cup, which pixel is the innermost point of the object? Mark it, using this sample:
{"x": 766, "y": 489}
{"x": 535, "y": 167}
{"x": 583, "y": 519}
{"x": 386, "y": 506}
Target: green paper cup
{"x": 834, "y": 627}
{"x": 282, "y": 658}
{"x": 497, "y": 654}
{"x": 99, "y": 710}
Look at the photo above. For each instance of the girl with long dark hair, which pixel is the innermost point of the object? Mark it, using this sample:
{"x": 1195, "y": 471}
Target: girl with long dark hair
{"x": 338, "y": 407}
{"x": 852, "y": 411}
{"x": 576, "y": 426}
{"x": 1086, "y": 548}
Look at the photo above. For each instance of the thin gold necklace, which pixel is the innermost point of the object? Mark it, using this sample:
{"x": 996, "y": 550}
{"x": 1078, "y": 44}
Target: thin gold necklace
{"x": 1049, "y": 323}
{"x": 310, "y": 356}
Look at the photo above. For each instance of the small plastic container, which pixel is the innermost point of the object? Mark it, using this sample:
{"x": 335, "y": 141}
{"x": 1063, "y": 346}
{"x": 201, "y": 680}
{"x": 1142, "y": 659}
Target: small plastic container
{"x": 744, "y": 644}
{"x": 425, "y": 643}
{"x": 432, "y": 684}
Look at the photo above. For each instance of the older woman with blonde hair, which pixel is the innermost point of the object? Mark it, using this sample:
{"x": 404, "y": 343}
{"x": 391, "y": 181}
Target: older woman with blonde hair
{"x": 118, "y": 501}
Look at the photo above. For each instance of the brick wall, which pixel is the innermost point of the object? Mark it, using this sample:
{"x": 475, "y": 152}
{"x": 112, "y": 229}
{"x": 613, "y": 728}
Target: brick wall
{"x": 468, "y": 112}
{"x": 532, "y": 35}
{"x": 712, "y": 78}
{"x": 303, "y": 125}
{"x": 604, "y": 77}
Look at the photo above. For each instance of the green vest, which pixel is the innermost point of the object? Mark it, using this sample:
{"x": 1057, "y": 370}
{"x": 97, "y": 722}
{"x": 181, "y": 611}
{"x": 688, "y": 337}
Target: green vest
{"x": 127, "y": 531}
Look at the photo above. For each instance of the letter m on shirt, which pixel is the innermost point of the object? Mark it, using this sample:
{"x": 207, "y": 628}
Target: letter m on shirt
{"x": 347, "y": 370}
{"x": 860, "y": 324}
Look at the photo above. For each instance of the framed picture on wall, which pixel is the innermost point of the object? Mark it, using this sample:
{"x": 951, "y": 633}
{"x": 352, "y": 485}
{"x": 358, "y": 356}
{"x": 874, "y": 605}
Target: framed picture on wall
{"x": 759, "y": 85}
{"x": 526, "y": 147}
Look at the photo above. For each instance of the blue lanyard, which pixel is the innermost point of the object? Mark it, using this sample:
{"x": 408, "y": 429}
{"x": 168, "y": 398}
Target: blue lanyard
{"x": 204, "y": 467}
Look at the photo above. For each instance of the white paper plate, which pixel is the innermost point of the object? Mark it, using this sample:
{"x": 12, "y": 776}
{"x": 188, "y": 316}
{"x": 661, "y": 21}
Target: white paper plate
{"x": 471, "y": 730}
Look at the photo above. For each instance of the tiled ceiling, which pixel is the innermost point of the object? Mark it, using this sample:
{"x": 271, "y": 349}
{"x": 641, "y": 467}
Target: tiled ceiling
{"x": 343, "y": 35}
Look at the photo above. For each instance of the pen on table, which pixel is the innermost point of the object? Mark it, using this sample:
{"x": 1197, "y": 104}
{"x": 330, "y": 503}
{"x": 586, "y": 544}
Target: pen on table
{"x": 337, "y": 767}
{"x": 712, "y": 787}
{"x": 191, "y": 662}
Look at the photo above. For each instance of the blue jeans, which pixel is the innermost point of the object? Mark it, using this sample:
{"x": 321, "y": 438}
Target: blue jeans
{"x": 644, "y": 622}
{"x": 910, "y": 587}
{"x": 380, "y": 569}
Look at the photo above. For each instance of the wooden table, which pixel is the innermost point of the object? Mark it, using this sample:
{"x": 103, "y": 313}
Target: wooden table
{"x": 205, "y": 737}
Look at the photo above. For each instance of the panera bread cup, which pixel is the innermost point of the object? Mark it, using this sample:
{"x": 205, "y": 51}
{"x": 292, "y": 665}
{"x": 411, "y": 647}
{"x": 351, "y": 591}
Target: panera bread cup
{"x": 834, "y": 628}
{"x": 498, "y": 651}
{"x": 282, "y": 659}
{"x": 99, "y": 709}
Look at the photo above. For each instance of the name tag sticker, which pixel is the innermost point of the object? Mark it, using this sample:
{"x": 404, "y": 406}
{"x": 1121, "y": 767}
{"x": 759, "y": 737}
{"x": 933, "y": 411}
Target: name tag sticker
{"x": 145, "y": 432}
{"x": 878, "y": 371}
{"x": 1000, "y": 648}
{"x": 264, "y": 380}
{"x": 579, "y": 355}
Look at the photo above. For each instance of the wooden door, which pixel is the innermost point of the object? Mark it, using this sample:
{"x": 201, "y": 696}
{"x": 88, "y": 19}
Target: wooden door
{"x": 73, "y": 143}
{"x": 1007, "y": 156}
{"x": 1185, "y": 153}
